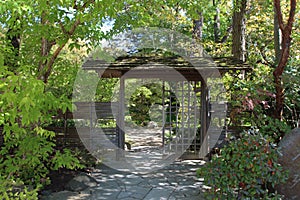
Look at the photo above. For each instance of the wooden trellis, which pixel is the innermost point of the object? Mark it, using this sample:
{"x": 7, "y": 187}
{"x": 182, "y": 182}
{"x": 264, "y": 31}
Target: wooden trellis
{"x": 192, "y": 92}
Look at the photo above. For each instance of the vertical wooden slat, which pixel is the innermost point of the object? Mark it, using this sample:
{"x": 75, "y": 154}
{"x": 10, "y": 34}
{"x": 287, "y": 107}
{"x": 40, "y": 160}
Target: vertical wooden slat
{"x": 195, "y": 116}
{"x": 189, "y": 112}
{"x": 182, "y": 116}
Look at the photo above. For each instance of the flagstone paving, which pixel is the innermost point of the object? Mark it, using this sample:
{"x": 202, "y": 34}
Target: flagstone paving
{"x": 177, "y": 181}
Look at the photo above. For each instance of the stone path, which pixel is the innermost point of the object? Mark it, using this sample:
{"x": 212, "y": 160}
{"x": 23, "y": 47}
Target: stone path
{"x": 175, "y": 181}
{"x": 144, "y": 136}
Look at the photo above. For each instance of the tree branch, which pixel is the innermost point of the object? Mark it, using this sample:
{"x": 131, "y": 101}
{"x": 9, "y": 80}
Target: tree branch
{"x": 265, "y": 59}
{"x": 44, "y": 44}
{"x": 75, "y": 5}
{"x": 286, "y": 36}
{"x": 73, "y": 28}
{"x": 58, "y": 50}
{"x": 226, "y": 35}
{"x": 291, "y": 15}
{"x": 279, "y": 14}
{"x": 46, "y": 67}
{"x": 85, "y": 5}
{"x": 51, "y": 62}
{"x": 63, "y": 28}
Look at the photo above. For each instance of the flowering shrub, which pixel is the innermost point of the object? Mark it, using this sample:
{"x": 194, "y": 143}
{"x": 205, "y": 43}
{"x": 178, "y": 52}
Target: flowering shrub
{"x": 246, "y": 168}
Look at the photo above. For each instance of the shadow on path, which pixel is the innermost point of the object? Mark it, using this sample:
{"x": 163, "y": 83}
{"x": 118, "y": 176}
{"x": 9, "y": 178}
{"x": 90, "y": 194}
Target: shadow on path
{"x": 175, "y": 181}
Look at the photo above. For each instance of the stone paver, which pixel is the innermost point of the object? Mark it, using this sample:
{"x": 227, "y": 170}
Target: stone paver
{"x": 174, "y": 182}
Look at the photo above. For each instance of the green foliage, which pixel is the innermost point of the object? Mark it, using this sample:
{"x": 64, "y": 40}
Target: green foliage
{"x": 61, "y": 81}
{"x": 140, "y": 103}
{"x": 166, "y": 14}
{"x": 246, "y": 168}
{"x": 65, "y": 159}
{"x": 15, "y": 189}
{"x": 28, "y": 152}
{"x": 105, "y": 89}
{"x": 273, "y": 128}
{"x": 292, "y": 93}
{"x": 249, "y": 97}
{"x": 252, "y": 100}
{"x": 144, "y": 103}
{"x": 25, "y": 158}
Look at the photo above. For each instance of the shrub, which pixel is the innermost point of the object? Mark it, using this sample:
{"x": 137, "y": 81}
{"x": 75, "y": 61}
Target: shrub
{"x": 28, "y": 152}
{"x": 247, "y": 168}
{"x": 273, "y": 128}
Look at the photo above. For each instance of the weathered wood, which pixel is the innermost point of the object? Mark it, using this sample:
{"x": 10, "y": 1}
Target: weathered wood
{"x": 204, "y": 121}
{"x": 191, "y": 68}
{"x": 103, "y": 110}
{"x": 121, "y": 124}
{"x": 85, "y": 110}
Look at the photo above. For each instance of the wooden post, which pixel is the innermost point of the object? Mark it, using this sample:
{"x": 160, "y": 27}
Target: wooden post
{"x": 91, "y": 127}
{"x": 121, "y": 120}
{"x": 204, "y": 137}
{"x": 163, "y": 115}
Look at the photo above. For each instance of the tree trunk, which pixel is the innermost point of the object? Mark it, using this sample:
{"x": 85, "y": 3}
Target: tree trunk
{"x": 198, "y": 26}
{"x": 277, "y": 38}
{"x": 238, "y": 31}
{"x": 45, "y": 50}
{"x": 216, "y": 23}
{"x": 286, "y": 31}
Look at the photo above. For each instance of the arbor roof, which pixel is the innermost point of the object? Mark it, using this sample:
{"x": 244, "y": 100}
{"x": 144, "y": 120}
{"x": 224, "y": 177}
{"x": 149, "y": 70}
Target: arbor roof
{"x": 159, "y": 66}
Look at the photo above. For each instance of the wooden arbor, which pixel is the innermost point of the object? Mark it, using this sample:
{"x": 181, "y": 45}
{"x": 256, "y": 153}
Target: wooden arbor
{"x": 191, "y": 129}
